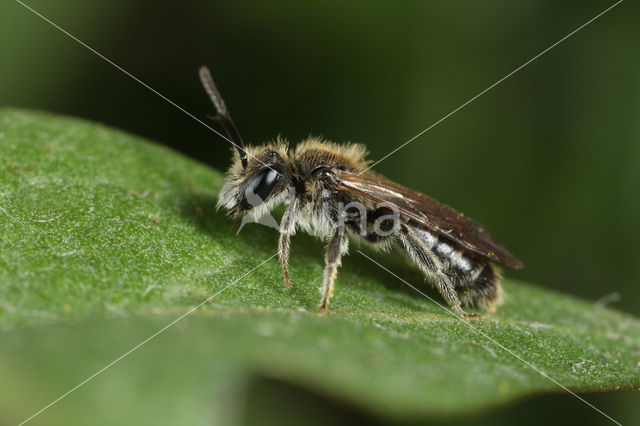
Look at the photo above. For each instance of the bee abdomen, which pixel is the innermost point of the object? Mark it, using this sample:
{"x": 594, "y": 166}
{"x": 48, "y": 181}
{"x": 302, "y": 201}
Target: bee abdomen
{"x": 476, "y": 280}
{"x": 445, "y": 255}
{"x": 454, "y": 258}
{"x": 483, "y": 289}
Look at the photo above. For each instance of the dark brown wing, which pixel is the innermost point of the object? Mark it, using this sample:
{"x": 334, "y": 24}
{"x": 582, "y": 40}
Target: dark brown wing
{"x": 426, "y": 211}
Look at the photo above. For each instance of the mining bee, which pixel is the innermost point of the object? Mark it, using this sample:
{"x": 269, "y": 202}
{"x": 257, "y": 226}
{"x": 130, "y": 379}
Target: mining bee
{"x": 330, "y": 192}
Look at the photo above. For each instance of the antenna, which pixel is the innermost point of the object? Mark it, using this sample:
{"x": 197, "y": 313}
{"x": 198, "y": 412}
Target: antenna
{"x": 222, "y": 113}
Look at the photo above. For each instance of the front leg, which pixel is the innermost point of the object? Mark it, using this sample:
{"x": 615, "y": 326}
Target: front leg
{"x": 283, "y": 252}
{"x": 287, "y": 227}
{"x": 337, "y": 244}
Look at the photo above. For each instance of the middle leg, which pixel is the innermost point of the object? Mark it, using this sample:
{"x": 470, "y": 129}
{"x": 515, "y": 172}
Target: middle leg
{"x": 337, "y": 244}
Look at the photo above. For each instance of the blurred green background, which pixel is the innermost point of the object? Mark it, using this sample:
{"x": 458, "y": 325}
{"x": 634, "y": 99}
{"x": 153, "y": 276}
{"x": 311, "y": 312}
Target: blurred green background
{"x": 548, "y": 159}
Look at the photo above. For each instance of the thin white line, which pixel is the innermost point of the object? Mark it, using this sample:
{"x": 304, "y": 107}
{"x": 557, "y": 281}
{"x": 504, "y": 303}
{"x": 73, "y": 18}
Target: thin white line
{"x": 235, "y": 281}
{"x": 494, "y": 341}
{"x": 494, "y": 84}
{"x": 91, "y": 377}
{"x": 3, "y": 210}
{"x": 138, "y": 80}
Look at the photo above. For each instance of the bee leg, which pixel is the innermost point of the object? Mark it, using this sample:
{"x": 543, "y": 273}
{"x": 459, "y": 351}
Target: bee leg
{"x": 420, "y": 250}
{"x": 447, "y": 290}
{"x": 287, "y": 227}
{"x": 336, "y": 246}
{"x": 283, "y": 252}
{"x": 465, "y": 315}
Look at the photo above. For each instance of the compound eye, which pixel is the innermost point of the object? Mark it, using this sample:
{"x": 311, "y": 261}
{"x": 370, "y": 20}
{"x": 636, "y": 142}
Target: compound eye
{"x": 261, "y": 186}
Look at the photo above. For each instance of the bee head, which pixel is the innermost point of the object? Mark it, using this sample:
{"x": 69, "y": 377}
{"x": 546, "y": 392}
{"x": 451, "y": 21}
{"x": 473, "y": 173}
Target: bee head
{"x": 262, "y": 184}
{"x": 259, "y": 176}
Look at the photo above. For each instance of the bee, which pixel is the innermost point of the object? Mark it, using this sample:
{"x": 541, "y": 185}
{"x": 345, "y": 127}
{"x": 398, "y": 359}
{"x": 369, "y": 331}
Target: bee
{"x": 329, "y": 191}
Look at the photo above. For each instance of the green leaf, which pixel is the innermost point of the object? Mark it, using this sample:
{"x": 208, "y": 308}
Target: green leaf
{"x": 107, "y": 238}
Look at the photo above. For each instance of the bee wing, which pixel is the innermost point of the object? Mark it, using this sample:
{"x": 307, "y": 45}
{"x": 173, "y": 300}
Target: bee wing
{"x": 441, "y": 219}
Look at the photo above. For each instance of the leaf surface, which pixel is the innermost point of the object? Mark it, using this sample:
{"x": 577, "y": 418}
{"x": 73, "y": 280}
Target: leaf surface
{"x": 107, "y": 238}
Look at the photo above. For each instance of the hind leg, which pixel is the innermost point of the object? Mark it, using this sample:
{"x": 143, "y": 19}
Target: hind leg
{"x": 444, "y": 284}
{"x": 419, "y": 248}
{"x": 445, "y": 287}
